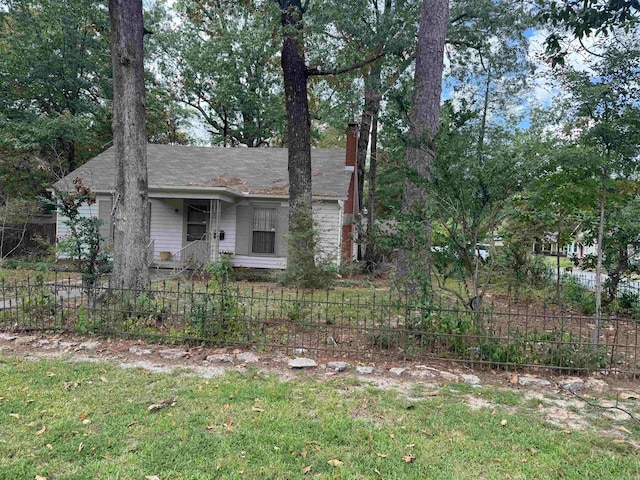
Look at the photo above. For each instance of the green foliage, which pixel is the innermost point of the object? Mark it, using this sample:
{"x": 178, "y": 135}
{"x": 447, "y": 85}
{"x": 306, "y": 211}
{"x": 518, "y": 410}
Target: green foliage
{"x": 307, "y": 266}
{"x": 84, "y": 245}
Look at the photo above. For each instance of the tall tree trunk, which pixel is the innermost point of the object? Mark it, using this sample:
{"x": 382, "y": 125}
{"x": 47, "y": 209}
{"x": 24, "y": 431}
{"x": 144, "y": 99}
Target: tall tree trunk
{"x": 131, "y": 222}
{"x": 603, "y": 202}
{"x": 372, "y": 255}
{"x": 414, "y": 256}
{"x": 301, "y": 246}
{"x": 372, "y": 97}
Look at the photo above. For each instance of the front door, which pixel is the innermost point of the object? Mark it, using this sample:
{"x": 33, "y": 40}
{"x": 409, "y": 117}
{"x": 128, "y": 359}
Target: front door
{"x": 197, "y": 221}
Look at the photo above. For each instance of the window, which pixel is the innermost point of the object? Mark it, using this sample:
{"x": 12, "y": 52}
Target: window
{"x": 197, "y": 221}
{"x": 264, "y": 230}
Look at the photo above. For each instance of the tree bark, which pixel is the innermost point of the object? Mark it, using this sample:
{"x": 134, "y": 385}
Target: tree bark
{"x": 372, "y": 256}
{"x": 414, "y": 256}
{"x": 131, "y": 222}
{"x": 600, "y": 242}
{"x": 298, "y": 134}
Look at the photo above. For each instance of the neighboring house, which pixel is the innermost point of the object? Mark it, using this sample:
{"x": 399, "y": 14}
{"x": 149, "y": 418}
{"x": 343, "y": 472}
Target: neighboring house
{"x": 208, "y": 201}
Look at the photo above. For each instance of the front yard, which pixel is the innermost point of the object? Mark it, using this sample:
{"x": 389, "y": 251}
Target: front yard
{"x": 78, "y": 420}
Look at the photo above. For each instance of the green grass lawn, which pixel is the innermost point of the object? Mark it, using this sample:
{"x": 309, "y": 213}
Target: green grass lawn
{"x": 91, "y": 421}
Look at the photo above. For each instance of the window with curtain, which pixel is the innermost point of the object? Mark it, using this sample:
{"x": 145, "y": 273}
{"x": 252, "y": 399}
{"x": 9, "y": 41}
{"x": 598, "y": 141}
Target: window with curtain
{"x": 264, "y": 230}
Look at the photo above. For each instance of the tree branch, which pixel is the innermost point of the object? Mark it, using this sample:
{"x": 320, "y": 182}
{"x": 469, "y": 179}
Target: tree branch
{"x": 338, "y": 71}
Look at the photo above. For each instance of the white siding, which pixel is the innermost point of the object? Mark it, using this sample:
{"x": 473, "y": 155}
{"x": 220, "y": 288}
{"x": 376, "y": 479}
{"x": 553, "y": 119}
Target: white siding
{"x": 85, "y": 211}
{"x": 258, "y": 261}
{"x": 228, "y": 224}
{"x": 327, "y": 217}
{"x": 166, "y": 225}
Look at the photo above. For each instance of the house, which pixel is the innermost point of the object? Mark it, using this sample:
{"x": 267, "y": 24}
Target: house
{"x": 208, "y": 201}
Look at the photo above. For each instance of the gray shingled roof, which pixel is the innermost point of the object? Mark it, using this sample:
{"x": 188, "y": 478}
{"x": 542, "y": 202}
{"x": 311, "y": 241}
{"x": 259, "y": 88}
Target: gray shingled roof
{"x": 257, "y": 171}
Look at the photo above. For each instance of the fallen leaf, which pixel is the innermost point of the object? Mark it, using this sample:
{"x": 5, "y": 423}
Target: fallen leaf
{"x": 622, "y": 429}
{"x": 131, "y": 424}
{"x": 51, "y": 374}
{"x": 303, "y": 454}
{"x": 211, "y": 427}
{"x": 306, "y": 469}
{"x": 514, "y": 379}
{"x": 81, "y": 446}
{"x": 382, "y": 455}
{"x": 409, "y": 458}
{"x": 169, "y": 402}
{"x": 377, "y": 471}
{"x": 228, "y": 425}
{"x": 334, "y": 463}
{"x": 104, "y": 379}
{"x": 426, "y": 432}
{"x": 257, "y": 409}
{"x": 276, "y": 449}
{"x": 152, "y": 477}
{"x": 15, "y": 415}
{"x": 38, "y": 477}
{"x": 42, "y": 430}
{"x": 49, "y": 446}
{"x": 392, "y": 435}
{"x": 86, "y": 421}
{"x": 503, "y": 422}
{"x": 24, "y": 389}
{"x": 411, "y": 445}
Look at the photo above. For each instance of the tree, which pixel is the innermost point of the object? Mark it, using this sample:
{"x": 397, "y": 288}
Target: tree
{"x": 583, "y": 19}
{"x": 131, "y": 204}
{"x": 415, "y": 253}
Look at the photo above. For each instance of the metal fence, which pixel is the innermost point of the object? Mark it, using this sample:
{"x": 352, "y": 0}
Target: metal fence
{"x": 363, "y": 324}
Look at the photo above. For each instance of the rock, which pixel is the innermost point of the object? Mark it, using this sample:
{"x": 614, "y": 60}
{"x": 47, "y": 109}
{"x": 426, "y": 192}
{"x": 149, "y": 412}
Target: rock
{"x": 338, "y": 366}
{"x": 362, "y": 370}
{"x": 572, "y": 384}
{"x": 422, "y": 374}
{"x": 247, "y": 357}
{"x": 300, "y": 351}
{"x": 397, "y": 371}
{"x": 451, "y": 377}
{"x": 26, "y": 339}
{"x": 596, "y": 385}
{"x": 88, "y": 345}
{"x": 173, "y": 353}
{"x": 67, "y": 345}
{"x": 220, "y": 357}
{"x": 302, "y": 362}
{"x": 470, "y": 379}
{"x": 140, "y": 351}
{"x": 7, "y": 338}
{"x": 526, "y": 381}
{"x": 48, "y": 344}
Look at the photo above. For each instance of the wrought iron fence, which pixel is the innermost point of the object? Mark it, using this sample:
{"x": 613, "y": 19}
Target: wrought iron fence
{"x": 364, "y": 324}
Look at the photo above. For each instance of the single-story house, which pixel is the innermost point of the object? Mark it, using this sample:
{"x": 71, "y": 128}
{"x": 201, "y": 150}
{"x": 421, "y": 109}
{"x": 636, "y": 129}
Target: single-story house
{"x": 208, "y": 201}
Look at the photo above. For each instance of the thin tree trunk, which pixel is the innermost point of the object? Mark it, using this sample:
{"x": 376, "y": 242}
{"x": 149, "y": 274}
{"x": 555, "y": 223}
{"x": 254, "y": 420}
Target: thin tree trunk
{"x": 414, "y": 256}
{"x": 603, "y": 202}
{"x": 372, "y": 255}
{"x": 372, "y": 97}
{"x": 131, "y": 223}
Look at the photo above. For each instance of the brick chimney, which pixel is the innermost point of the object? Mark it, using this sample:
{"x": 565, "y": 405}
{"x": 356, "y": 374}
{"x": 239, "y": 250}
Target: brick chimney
{"x": 351, "y": 206}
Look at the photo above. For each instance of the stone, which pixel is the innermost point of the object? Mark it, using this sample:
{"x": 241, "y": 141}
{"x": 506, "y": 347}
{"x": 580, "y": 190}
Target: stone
{"x": 338, "y": 366}
{"x": 7, "y": 338}
{"x": 88, "y": 345}
{"x": 66, "y": 345}
{"x": 527, "y": 381}
{"x": 397, "y": 371}
{"x": 26, "y": 339}
{"x": 451, "y": 377}
{"x": 300, "y": 351}
{"x": 470, "y": 379}
{"x": 302, "y": 362}
{"x": 596, "y": 385}
{"x": 135, "y": 349}
{"x": 173, "y": 353}
{"x": 422, "y": 374}
{"x": 362, "y": 370}
{"x": 247, "y": 357}
{"x": 572, "y": 384}
{"x": 220, "y": 357}
{"x": 48, "y": 344}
